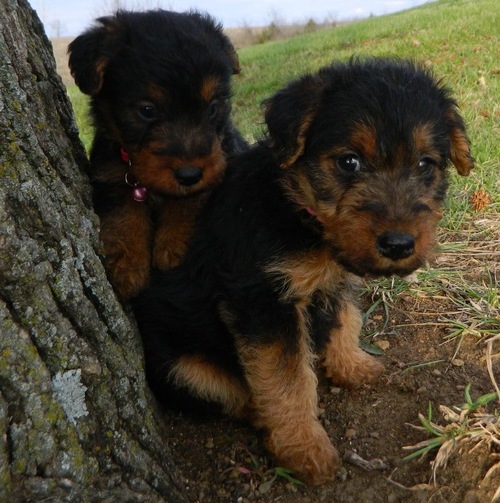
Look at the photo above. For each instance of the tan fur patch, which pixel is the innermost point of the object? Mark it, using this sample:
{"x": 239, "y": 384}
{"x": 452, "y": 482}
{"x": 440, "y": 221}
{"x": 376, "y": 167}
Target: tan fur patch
{"x": 423, "y": 141}
{"x": 364, "y": 140}
{"x": 460, "y": 152}
{"x": 304, "y": 273}
{"x": 423, "y": 138}
{"x": 100, "y": 70}
{"x": 300, "y": 141}
{"x": 157, "y": 172}
{"x": 235, "y": 62}
{"x": 127, "y": 253}
{"x": 174, "y": 230}
{"x": 157, "y": 93}
{"x": 460, "y": 149}
{"x": 283, "y": 384}
{"x": 211, "y": 382}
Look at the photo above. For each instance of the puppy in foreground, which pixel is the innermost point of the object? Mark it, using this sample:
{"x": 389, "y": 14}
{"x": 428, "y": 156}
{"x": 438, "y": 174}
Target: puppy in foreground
{"x": 159, "y": 84}
{"x": 350, "y": 181}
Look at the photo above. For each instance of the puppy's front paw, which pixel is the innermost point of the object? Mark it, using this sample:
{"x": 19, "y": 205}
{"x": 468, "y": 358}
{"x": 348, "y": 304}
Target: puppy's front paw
{"x": 354, "y": 369}
{"x": 307, "y": 451}
{"x": 128, "y": 275}
{"x": 167, "y": 255}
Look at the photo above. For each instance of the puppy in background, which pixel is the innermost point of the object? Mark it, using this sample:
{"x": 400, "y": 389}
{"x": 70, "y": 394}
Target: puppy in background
{"x": 160, "y": 85}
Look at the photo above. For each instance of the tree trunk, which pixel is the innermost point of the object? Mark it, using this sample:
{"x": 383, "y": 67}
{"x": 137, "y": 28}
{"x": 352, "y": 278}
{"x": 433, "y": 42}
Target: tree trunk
{"x": 76, "y": 421}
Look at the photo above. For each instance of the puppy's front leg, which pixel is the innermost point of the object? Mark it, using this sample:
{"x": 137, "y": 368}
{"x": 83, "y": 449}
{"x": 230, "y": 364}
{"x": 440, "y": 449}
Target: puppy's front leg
{"x": 126, "y": 235}
{"x": 174, "y": 230}
{"x": 283, "y": 384}
{"x": 344, "y": 361}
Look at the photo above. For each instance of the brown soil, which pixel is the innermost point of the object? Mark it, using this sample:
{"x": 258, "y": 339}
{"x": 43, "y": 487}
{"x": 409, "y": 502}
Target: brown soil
{"x": 223, "y": 461}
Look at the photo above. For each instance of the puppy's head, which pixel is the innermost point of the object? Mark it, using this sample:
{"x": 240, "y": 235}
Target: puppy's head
{"x": 160, "y": 87}
{"x": 363, "y": 148}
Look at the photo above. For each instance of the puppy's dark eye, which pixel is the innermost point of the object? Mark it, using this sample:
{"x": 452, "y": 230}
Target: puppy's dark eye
{"x": 426, "y": 166}
{"x": 349, "y": 163}
{"x": 147, "y": 112}
{"x": 426, "y": 163}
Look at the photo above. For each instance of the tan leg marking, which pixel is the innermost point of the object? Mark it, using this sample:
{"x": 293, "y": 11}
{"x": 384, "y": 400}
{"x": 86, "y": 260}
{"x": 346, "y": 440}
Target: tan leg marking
{"x": 210, "y": 382}
{"x": 125, "y": 236}
{"x": 283, "y": 387}
{"x": 345, "y": 362}
{"x": 175, "y": 227}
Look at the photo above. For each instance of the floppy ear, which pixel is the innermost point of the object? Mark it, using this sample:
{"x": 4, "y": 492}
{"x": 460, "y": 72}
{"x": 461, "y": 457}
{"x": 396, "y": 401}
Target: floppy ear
{"x": 460, "y": 154}
{"x": 89, "y": 55}
{"x": 233, "y": 58}
{"x": 289, "y": 114}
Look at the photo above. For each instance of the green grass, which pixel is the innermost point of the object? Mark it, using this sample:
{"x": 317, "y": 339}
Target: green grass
{"x": 468, "y": 424}
{"x": 80, "y": 104}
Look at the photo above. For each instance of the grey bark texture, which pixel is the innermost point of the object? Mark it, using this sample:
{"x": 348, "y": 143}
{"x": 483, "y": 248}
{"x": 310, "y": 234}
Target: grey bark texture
{"x": 76, "y": 421}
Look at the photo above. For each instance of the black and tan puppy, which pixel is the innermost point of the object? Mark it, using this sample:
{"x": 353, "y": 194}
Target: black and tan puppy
{"x": 350, "y": 181}
{"x": 160, "y": 88}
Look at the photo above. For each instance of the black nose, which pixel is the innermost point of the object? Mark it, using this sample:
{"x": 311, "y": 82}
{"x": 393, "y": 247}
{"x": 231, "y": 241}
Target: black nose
{"x": 188, "y": 175}
{"x": 396, "y": 245}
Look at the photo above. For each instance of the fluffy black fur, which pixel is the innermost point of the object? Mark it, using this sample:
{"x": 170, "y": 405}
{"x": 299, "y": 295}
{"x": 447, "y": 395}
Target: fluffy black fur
{"x": 288, "y": 197}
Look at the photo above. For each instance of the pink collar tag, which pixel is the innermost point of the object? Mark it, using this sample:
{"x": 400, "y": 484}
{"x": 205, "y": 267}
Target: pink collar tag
{"x": 139, "y": 193}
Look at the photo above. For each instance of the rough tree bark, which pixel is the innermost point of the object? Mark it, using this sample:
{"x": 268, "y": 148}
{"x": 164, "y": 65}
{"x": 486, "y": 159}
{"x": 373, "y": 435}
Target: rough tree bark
{"x": 76, "y": 422}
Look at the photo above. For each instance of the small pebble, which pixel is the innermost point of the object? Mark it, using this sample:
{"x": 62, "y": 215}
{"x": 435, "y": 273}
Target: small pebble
{"x": 342, "y": 474}
{"x": 350, "y": 433}
{"x": 412, "y": 278}
{"x": 437, "y": 373}
{"x": 375, "y": 434}
{"x": 335, "y": 391}
{"x": 210, "y": 443}
{"x": 383, "y": 345}
{"x": 421, "y": 390}
{"x": 457, "y": 362}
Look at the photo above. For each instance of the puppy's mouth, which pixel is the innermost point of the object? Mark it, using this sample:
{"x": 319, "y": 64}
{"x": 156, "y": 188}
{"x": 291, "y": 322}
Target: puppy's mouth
{"x": 392, "y": 253}
{"x": 375, "y": 271}
{"x": 186, "y": 179}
